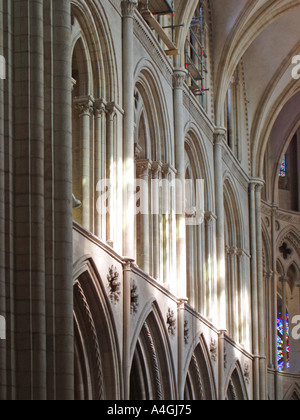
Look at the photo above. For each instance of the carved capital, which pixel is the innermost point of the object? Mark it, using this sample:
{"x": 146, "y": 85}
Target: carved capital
{"x": 143, "y": 166}
{"x": 128, "y": 8}
{"x": 209, "y": 218}
{"x": 156, "y": 169}
{"x": 99, "y": 107}
{"x": 219, "y": 136}
{"x": 179, "y": 76}
{"x": 84, "y": 105}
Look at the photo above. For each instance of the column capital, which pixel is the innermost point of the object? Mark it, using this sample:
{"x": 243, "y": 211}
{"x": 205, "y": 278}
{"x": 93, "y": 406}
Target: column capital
{"x": 156, "y": 167}
{"x": 209, "y": 217}
{"x": 128, "y": 263}
{"x": 84, "y": 105}
{"x": 143, "y": 166}
{"x": 99, "y": 107}
{"x": 179, "y": 76}
{"x": 220, "y": 136}
{"x": 257, "y": 182}
{"x": 128, "y": 8}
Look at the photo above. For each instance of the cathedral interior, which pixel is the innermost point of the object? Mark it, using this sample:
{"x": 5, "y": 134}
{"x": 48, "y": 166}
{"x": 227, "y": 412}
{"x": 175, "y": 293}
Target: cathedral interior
{"x": 150, "y": 200}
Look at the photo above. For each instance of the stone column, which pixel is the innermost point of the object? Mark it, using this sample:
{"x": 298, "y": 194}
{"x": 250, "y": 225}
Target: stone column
{"x": 111, "y": 174}
{"x": 155, "y": 211}
{"x": 234, "y": 293}
{"x": 261, "y": 291}
{"x": 3, "y": 391}
{"x": 128, "y": 10}
{"x": 209, "y": 220}
{"x": 127, "y": 266}
{"x": 243, "y": 299}
{"x": 30, "y": 325}
{"x": 63, "y": 271}
{"x": 221, "y": 358}
{"x": 181, "y": 345}
{"x": 100, "y": 164}
{"x": 274, "y": 288}
{"x": 84, "y": 106}
{"x": 255, "y": 348}
{"x": 143, "y": 251}
{"x": 219, "y": 139}
{"x": 178, "y": 83}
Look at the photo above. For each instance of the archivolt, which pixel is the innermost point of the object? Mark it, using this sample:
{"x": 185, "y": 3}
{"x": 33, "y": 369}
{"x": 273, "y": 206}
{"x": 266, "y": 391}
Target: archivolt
{"x": 198, "y": 159}
{"x": 97, "y": 360}
{"x": 152, "y": 372}
{"x": 232, "y": 207}
{"x": 200, "y": 383}
{"x": 240, "y": 40}
{"x": 236, "y": 387}
{"x": 149, "y": 88}
{"x": 97, "y": 33}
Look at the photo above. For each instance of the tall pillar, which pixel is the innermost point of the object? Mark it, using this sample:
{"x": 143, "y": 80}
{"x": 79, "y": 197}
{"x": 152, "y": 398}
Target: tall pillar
{"x": 156, "y": 173}
{"x": 63, "y": 246}
{"x": 84, "y": 106}
{"x": 261, "y": 291}
{"x": 181, "y": 346}
{"x": 243, "y": 298}
{"x": 3, "y": 372}
{"x": 219, "y": 139}
{"x": 128, "y": 10}
{"x": 111, "y": 165}
{"x": 126, "y": 325}
{"x": 29, "y": 200}
{"x": 255, "y": 346}
{"x": 143, "y": 250}
{"x": 209, "y": 220}
{"x": 100, "y": 162}
{"x": 274, "y": 288}
{"x": 178, "y": 84}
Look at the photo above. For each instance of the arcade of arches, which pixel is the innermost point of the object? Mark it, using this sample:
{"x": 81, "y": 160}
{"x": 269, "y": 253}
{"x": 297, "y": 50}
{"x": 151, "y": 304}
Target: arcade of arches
{"x": 150, "y": 206}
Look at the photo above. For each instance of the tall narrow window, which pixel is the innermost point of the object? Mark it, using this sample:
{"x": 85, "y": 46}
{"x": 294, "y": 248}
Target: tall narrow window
{"x": 282, "y": 171}
{"x": 281, "y": 353}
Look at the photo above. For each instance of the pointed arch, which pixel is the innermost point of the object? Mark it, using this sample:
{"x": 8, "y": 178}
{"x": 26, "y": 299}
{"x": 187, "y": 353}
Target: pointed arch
{"x": 236, "y": 387}
{"x": 233, "y": 214}
{"x": 95, "y": 30}
{"x": 152, "y": 369}
{"x": 293, "y": 394}
{"x": 149, "y": 96}
{"x": 97, "y": 355}
{"x": 200, "y": 381}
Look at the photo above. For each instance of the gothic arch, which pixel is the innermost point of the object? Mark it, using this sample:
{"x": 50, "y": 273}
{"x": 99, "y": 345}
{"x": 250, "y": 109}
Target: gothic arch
{"x": 198, "y": 159}
{"x": 97, "y": 356}
{"x": 198, "y": 246}
{"x": 233, "y": 214}
{"x": 249, "y": 27}
{"x": 267, "y": 249}
{"x": 199, "y": 377}
{"x": 152, "y": 368}
{"x": 293, "y": 394}
{"x": 292, "y": 236}
{"x": 236, "y": 388}
{"x": 149, "y": 91}
{"x": 94, "y": 28}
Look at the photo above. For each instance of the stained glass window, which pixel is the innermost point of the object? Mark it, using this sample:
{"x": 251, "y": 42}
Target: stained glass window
{"x": 280, "y": 344}
{"x": 282, "y": 172}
